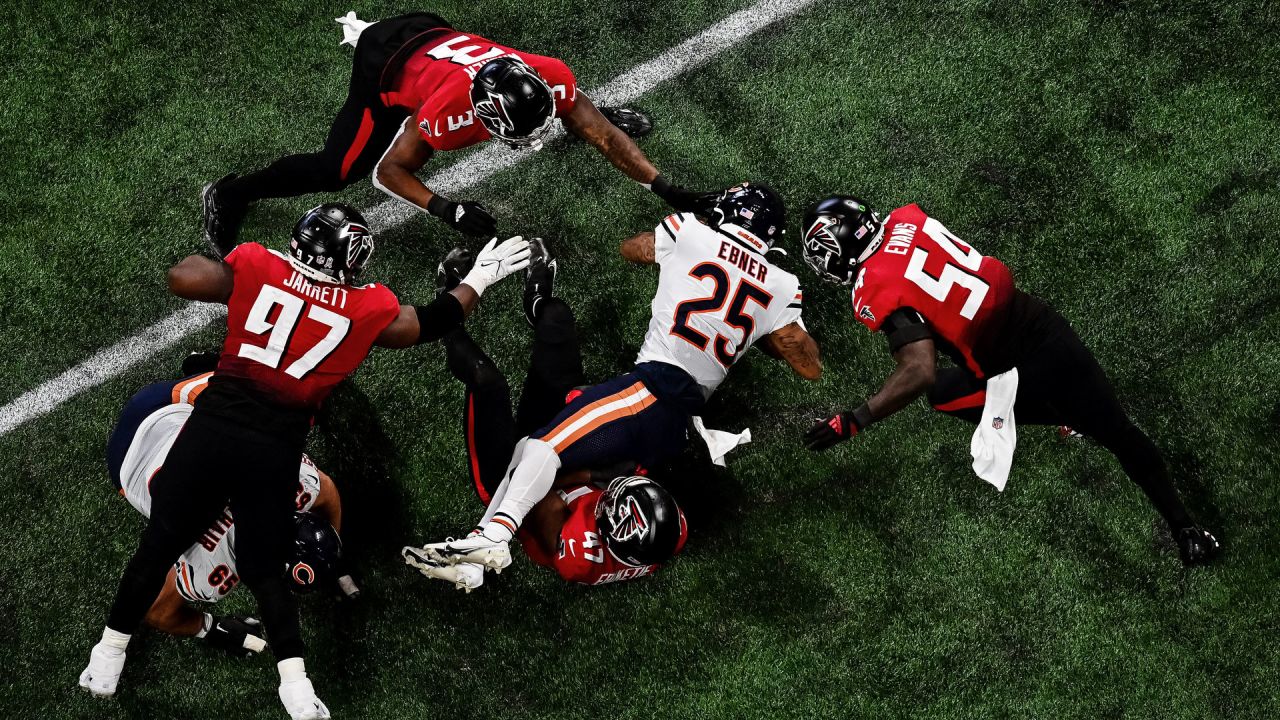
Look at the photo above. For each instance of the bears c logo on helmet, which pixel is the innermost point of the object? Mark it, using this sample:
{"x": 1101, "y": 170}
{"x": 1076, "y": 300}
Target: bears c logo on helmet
{"x": 303, "y": 574}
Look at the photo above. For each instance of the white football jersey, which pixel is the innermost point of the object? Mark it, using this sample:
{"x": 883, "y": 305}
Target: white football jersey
{"x": 717, "y": 295}
{"x": 207, "y": 570}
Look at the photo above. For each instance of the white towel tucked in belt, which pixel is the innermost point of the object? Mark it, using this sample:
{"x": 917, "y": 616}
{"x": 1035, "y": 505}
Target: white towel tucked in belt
{"x": 996, "y": 436}
{"x": 352, "y": 26}
{"x": 719, "y": 442}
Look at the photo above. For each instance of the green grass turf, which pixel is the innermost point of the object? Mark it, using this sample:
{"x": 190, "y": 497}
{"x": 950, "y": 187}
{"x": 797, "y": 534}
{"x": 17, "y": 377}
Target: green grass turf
{"x": 1119, "y": 156}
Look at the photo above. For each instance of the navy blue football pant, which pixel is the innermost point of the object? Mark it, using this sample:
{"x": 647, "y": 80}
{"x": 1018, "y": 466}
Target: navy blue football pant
{"x": 1061, "y": 383}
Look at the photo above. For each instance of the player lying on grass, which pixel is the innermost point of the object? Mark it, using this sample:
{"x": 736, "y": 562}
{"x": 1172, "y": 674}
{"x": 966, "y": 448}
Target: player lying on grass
{"x": 595, "y": 526}
{"x": 206, "y": 572}
{"x": 926, "y": 290}
{"x": 717, "y": 295}
{"x": 297, "y": 325}
{"x": 417, "y": 87}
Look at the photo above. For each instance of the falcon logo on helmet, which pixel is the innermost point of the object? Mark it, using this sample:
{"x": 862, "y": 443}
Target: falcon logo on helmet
{"x": 639, "y": 521}
{"x": 841, "y": 232}
{"x": 513, "y": 102}
{"x": 331, "y": 243}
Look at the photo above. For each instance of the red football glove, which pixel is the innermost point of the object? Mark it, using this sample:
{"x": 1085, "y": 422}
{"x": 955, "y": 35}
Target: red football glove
{"x": 831, "y": 431}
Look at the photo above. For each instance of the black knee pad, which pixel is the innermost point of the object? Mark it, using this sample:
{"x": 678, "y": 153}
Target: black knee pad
{"x": 555, "y": 323}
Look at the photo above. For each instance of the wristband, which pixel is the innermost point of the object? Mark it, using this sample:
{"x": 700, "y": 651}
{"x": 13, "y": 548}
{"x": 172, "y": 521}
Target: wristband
{"x": 438, "y": 205}
{"x": 659, "y": 186}
{"x": 437, "y": 319}
{"x": 862, "y": 417}
{"x": 208, "y": 623}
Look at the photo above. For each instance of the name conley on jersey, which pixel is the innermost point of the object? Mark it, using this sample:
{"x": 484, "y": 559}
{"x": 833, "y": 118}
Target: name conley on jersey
{"x": 327, "y": 294}
{"x": 744, "y": 260}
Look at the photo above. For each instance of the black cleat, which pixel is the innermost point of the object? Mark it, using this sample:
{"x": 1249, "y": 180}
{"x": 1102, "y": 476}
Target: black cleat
{"x": 453, "y": 268}
{"x": 221, "y": 219}
{"x": 200, "y": 361}
{"x": 1197, "y": 546}
{"x": 538, "y": 279}
{"x": 634, "y": 123}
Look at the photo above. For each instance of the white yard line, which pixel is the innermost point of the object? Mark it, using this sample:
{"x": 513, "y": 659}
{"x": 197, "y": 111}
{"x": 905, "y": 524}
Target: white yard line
{"x": 471, "y": 170}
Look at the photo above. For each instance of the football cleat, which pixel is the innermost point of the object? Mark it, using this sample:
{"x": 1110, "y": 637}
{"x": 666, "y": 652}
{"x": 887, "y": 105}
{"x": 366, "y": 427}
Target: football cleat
{"x": 221, "y": 219}
{"x": 103, "y": 673}
{"x": 476, "y": 548}
{"x": 635, "y": 123}
{"x": 1066, "y": 432}
{"x": 300, "y": 701}
{"x": 538, "y": 279}
{"x": 464, "y": 576}
{"x": 1197, "y": 546}
{"x": 453, "y": 268}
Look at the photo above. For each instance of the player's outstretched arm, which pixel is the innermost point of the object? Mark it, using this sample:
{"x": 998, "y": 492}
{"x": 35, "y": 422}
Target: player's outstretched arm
{"x": 917, "y": 364}
{"x": 639, "y": 249}
{"x": 396, "y": 175}
{"x": 197, "y": 277}
{"x": 795, "y": 346}
{"x": 586, "y": 122}
{"x": 417, "y": 324}
{"x": 545, "y": 521}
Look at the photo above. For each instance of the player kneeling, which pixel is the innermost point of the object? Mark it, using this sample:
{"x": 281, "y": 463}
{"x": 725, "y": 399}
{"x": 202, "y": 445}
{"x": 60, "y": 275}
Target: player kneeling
{"x": 595, "y": 526}
{"x": 206, "y": 572}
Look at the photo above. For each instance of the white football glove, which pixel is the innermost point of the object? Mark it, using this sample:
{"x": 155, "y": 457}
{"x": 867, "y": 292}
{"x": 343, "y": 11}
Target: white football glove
{"x": 495, "y": 262}
{"x": 103, "y": 673}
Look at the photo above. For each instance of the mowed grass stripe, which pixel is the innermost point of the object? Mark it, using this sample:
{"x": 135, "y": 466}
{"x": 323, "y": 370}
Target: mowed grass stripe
{"x": 474, "y": 169}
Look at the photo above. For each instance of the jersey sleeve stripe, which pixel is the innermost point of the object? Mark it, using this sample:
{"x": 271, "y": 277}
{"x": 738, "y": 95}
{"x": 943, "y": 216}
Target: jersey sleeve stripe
{"x": 185, "y": 588}
{"x": 669, "y": 224}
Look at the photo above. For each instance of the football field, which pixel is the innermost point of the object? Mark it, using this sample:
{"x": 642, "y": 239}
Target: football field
{"x": 1119, "y": 156}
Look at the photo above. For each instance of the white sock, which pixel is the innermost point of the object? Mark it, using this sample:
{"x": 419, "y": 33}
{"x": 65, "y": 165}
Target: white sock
{"x": 529, "y": 483}
{"x": 291, "y": 670}
{"x": 116, "y": 640}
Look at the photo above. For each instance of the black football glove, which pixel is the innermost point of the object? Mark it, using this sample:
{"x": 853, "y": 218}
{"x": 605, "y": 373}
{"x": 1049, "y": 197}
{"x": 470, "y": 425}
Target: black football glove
{"x": 238, "y": 636}
{"x": 682, "y": 200}
{"x": 469, "y": 218}
{"x": 831, "y": 431}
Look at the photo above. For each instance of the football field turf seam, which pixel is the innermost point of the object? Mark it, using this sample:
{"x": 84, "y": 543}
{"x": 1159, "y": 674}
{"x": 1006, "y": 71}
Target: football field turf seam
{"x": 467, "y": 172}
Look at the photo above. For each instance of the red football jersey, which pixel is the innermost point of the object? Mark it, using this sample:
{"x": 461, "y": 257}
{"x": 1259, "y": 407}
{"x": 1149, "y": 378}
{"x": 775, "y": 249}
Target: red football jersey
{"x": 922, "y": 265}
{"x": 583, "y": 558}
{"x": 295, "y": 338}
{"x": 435, "y": 84}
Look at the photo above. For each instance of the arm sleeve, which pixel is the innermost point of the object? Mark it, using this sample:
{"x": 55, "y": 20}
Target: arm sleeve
{"x": 903, "y": 327}
{"x": 308, "y": 484}
{"x": 437, "y": 319}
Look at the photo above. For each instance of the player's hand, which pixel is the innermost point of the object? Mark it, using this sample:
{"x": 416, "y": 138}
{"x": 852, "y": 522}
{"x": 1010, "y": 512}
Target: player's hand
{"x": 469, "y": 218}
{"x": 831, "y": 431}
{"x": 699, "y": 203}
{"x": 239, "y": 636}
{"x": 347, "y": 588}
{"x": 496, "y": 261}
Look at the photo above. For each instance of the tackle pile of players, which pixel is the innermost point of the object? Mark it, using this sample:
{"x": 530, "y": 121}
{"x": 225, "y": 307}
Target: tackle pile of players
{"x": 216, "y": 459}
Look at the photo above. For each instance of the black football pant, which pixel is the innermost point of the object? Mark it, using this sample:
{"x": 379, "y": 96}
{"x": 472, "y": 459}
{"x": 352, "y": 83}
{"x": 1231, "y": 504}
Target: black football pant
{"x": 490, "y": 428}
{"x": 213, "y": 464}
{"x": 1061, "y": 383}
{"x": 359, "y": 135}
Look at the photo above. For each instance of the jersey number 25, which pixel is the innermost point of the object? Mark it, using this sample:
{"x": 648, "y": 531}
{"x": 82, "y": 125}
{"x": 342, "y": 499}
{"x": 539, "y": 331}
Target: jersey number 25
{"x": 735, "y": 316}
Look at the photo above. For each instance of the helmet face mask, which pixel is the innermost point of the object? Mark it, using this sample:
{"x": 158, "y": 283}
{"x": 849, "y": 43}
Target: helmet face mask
{"x": 513, "y": 102}
{"x": 331, "y": 243}
{"x": 840, "y": 234}
{"x": 639, "y": 521}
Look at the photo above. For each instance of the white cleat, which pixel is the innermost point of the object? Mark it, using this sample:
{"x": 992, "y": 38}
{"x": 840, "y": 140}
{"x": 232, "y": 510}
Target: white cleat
{"x": 300, "y": 701}
{"x": 475, "y": 548}
{"x": 464, "y": 576}
{"x": 103, "y": 674}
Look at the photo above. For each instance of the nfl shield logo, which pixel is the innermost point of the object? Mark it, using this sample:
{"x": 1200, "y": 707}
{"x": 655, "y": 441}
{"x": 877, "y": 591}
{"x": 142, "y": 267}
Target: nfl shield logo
{"x": 997, "y": 423}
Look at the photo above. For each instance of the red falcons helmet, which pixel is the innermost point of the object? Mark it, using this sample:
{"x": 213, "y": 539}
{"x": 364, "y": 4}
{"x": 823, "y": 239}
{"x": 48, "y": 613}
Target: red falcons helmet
{"x": 513, "y": 102}
{"x": 840, "y": 233}
{"x": 640, "y": 522}
{"x": 331, "y": 243}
